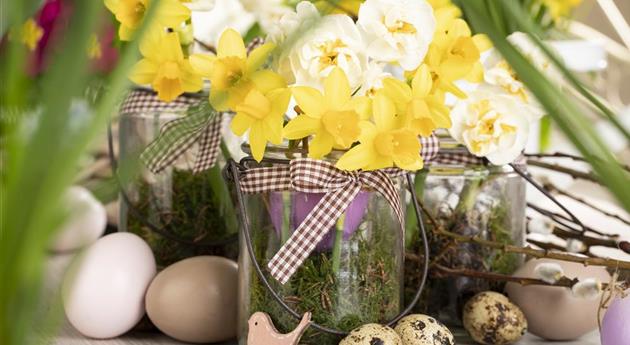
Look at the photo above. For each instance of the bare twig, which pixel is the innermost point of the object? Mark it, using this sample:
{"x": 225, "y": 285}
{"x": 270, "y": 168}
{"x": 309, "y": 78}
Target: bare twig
{"x": 562, "y": 219}
{"x": 537, "y": 253}
{"x": 562, "y": 282}
{"x": 577, "y": 174}
{"x": 206, "y": 46}
{"x": 565, "y": 155}
{"x": 551, "y": 187}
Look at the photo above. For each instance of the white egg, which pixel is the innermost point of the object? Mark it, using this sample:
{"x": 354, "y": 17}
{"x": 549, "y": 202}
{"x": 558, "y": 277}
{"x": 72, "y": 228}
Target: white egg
{"x": 86, "y": 221}
{"x": 104, "y": 289}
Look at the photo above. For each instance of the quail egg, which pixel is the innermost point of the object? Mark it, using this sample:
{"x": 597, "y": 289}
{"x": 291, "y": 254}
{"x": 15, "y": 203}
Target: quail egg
{"x": 490, "y": 318}
{"x": 418, "y": 329}
{"x": 371, "y": 334}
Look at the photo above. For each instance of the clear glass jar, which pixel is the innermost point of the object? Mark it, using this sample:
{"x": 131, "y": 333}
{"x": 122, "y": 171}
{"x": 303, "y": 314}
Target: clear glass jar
{"x": 478, "y": 200}
{"x": 197, "y": 208}
{"x": 353, "y": 277}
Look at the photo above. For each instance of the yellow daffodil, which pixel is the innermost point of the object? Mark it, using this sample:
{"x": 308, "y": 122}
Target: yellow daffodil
{"x": 165, "y": 68}
{"x": 131, "y": 13}
{"x": 445, "y": 12}
{"x": 454, "y": 55}
{"x": 419, "y": 109}
{"x": 333, "y": 118}
{"x": 231, "y": 71}
{"x": 94, "y": 50}
{"x": 262, "y": 113}
{"x": 383, "y": 144}
{"x": 561, "y": 8}
{"x": 30, "y": 33}
{"x": 347, "y": 7}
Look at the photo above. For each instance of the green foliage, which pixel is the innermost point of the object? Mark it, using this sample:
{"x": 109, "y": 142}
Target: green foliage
{"x": 197, "y": 213}
{"x": 564, "y": 111}
{"x": 366, "y": 288}
{"x": 39, "y": 163}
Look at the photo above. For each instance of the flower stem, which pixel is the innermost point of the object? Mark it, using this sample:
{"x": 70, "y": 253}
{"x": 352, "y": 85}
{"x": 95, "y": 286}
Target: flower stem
{"x": 285, "y": 229}
{"x": 336, "y": 254}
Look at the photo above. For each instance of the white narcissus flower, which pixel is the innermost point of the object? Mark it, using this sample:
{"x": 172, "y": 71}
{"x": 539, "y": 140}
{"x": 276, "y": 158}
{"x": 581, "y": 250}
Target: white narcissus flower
{"x": 398, "y": 31}
{"x": 267, "y": 12}
{"x": 285, "y": 32}
{"x": 199, "y": 5}
{"x": 498, "y": 72}
{"x": 333, "y": 41}
{"x": 373, "y": 79}
{"x": 549, "y": 272}
{"x": 491, "y": 124}
{"x": 588, "y": 288}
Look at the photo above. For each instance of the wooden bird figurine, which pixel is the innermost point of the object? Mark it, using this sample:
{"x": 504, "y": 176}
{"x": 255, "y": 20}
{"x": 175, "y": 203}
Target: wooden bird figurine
{"x": 263, "y": 332}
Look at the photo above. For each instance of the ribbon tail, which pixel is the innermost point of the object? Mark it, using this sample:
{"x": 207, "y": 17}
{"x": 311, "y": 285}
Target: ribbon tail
{"x": 209, "y": 143}
{"x": 304, "y": 239}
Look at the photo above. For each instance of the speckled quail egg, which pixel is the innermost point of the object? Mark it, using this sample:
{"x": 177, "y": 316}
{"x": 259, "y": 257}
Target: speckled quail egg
{"x": 418, "y": 329}
{"x": 490, "y": 318}
{"x": 371, "y": 334}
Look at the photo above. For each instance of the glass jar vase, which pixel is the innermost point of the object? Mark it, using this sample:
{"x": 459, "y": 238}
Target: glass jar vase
{"x": 473, "y": 199}
{"x": 179, "y": 213}
{"x": 354, "y": 276}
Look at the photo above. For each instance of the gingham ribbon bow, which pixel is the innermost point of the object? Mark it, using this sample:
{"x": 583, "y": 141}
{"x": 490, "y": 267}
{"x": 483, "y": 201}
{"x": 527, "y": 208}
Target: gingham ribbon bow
{"x": 316, "y": 176}
{"x": 201, "y": 125}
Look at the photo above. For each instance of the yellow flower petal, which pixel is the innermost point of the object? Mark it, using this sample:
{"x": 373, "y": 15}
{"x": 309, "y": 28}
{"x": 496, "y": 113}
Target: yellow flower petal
{"x": 267, "y": 80}
{"x": 310, "y": 100}
{"x": 259, "y": 56}
{"x": 231, "y": 44}
{"x": 422, "y": 83}
{"x": 202, "y": 63}
{"x": 482, "y": 42}
{"x": 321, "y": 145}
{"x": 143, "y": 72}
{"x": 171, "y": 13}
{"x": 357, "y": 157}
{"x": 362, "y": 105}
{"x": 384, "y": 112}
{"x": 257, "y": 140}
{"x": 168, "y": 88}
{"x": 191, "y": 81}
{"x": 336, "y": 89}
{"x": 241, "y": 123}
{"x": 476, "y": 74}
{"x": 219, "y": 100}
{"x": 301, "y": 127}
{"x": 272, "y": 126}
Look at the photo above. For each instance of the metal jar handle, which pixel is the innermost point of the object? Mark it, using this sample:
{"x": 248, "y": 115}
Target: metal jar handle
{"x": 164, "y": 231}
{"x": 232, "y": 173}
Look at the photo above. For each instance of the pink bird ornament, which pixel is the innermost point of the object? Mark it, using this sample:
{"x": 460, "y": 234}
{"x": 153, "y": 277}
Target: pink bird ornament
{"x": 263, "y": 332}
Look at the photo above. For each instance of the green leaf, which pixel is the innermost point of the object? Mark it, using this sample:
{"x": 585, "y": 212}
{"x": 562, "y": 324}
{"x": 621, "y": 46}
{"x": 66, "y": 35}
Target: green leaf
{"x": 569, "y": 118}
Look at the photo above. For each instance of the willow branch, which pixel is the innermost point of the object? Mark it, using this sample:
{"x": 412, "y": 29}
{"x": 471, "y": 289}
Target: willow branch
{"x": 553, "y": 188}
{"x": 565, "y": 155}
{"x": 525, "y": 281}
{"x": 537, "y": 253}
{"x": 562, "y": 219}
{"x": 577, "y": 174}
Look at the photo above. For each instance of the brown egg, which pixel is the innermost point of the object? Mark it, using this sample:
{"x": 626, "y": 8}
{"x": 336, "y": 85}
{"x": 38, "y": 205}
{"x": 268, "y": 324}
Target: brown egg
{"x": 195, "y": 300}
{"x": 554, "y": 313}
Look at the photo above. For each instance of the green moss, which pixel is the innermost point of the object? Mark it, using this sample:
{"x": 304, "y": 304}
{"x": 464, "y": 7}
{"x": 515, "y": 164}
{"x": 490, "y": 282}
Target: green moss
{"x": 366, "y": 290}
{"x": 194, "y": 210}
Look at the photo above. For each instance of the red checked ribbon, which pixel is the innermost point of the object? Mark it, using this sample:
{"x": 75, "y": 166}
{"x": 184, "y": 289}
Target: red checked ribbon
{"x": 340, "y": 188}
{"x": 316, "y": 176}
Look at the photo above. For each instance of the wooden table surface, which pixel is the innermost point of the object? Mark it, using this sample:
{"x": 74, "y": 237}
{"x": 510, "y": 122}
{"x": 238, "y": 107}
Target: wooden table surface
{"x": 68, "y": 336}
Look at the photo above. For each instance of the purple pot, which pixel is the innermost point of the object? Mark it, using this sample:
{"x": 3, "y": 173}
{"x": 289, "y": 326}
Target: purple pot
{"x": 303, "y": 203}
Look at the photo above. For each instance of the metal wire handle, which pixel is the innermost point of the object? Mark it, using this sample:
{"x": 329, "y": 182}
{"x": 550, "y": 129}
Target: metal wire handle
{"x": 166, "y": 230}
{"x": 232, "y": 173}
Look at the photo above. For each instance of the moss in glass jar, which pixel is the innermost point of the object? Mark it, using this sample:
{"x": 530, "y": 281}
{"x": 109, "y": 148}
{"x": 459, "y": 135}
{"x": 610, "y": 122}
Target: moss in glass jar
{"x": 365, "y": 289}
{"x": 195, "y": 210}
{"x": 474, "y": 204}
